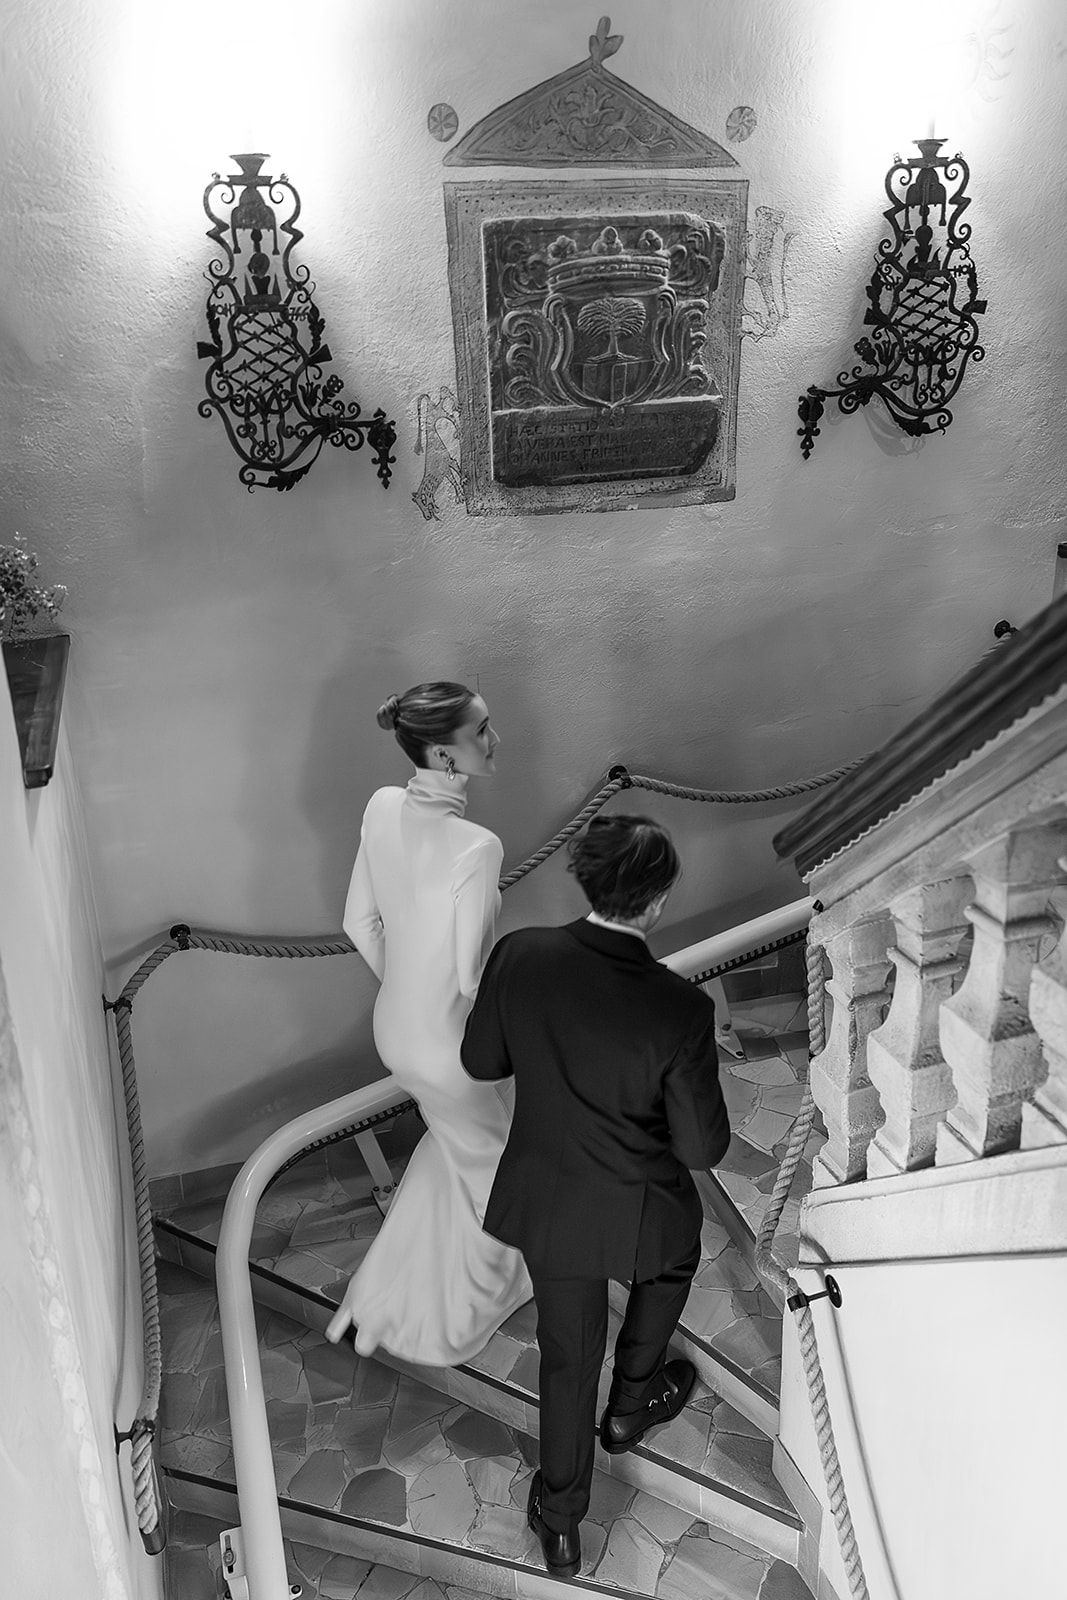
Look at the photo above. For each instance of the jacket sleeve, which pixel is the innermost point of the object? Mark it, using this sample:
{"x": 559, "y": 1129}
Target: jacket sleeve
{"x": 696, "y": 1110}
{"x": 476, "y": 896}
{"x": 484, "y": 1052}
{"x": 362, "y": 919}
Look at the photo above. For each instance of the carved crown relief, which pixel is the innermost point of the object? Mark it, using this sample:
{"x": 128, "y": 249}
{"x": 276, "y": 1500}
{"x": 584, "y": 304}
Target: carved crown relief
{"x": 586, "y": 116}
{"x": 591, "y": 320}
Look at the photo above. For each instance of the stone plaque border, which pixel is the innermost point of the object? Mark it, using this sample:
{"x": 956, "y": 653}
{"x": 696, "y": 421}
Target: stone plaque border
{"x": 722, "y": 201}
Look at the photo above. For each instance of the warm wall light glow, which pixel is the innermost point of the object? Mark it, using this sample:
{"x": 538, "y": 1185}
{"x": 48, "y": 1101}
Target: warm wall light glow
{"x": 901, "y": 73}
{"x": 188, "y": 85}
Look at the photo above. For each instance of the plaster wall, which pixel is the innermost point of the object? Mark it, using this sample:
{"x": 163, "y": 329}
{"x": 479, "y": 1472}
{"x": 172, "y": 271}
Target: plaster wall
{"x": 231, "y": 648}
{"x": 944, "y": 1377}
{"x": 69, "y": 1302}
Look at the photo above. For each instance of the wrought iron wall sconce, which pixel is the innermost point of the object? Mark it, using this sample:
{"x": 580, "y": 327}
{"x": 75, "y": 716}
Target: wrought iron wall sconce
{"x": 923, "y": 301}
{"x": 266, "y": 348}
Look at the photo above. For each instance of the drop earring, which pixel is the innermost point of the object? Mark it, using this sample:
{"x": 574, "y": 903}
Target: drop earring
{"x": 450, "y": 770}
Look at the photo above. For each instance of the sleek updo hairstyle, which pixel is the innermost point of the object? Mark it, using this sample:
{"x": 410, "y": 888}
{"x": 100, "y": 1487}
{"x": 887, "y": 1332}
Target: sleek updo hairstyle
{"x": 623, "y": 863}
{"x": 431, "y": 713}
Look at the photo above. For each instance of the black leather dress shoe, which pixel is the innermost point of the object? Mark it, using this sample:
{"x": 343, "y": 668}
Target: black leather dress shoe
{"x": 562, "y": 1551}
{"x": 666, "y": 1395}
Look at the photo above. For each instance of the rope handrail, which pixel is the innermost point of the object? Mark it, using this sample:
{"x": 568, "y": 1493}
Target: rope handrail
{"x": 619, "y": 777}
{"x": 773, "y": 1273}
{"x": 736, "y": 797}
{"x": 183, "y": 937}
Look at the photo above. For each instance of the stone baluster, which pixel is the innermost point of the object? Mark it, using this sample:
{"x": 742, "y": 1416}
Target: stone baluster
{"x": 904, "y": 1059}
{"x": 1045, "y": 1120}
{"x": 986, "y": 1033}
{"x": 840, "y": 1085}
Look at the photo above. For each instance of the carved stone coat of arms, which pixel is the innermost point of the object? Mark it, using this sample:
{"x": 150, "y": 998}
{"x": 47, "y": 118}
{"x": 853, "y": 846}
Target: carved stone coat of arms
{"x": 598, "y": 340}
{"x": 596, "y": 337}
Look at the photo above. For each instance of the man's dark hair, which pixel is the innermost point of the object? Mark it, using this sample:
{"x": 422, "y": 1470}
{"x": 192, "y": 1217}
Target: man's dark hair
{"x": 623, "y": 863}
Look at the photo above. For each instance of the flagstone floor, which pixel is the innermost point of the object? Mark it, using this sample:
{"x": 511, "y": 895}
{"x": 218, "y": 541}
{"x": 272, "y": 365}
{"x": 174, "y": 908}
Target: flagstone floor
{"x": 763, "y": 1092}
{"x": 193, "y": 1569}
{"x": 356, "y": 1438}
{"x": 316, "y": 1224}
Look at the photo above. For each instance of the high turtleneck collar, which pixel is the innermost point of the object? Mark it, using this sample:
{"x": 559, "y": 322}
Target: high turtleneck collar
{"x": 436, "y": 791}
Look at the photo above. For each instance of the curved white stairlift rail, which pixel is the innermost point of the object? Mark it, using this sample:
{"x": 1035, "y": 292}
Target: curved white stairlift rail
{"x": 264, "y": 1576}
{"x": 257, "y": 1497}
{"x": 745, "y": 939}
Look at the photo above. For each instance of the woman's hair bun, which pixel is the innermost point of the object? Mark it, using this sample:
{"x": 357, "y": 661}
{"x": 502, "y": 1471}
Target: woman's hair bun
{"x": 388, "y": 712}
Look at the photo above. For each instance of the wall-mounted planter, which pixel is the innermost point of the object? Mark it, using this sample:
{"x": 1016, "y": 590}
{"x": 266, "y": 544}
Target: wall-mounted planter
{"x": 36, "y": 672}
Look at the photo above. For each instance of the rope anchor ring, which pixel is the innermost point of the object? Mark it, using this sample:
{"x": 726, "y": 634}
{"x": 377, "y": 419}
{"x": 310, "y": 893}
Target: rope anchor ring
{"x": 143, "y": 1427}
{"x": 832, "y": 1292}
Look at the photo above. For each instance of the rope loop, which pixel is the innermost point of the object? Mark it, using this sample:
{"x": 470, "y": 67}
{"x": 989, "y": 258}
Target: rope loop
{"x": 144, "y": 1480}
{"x": 575, "y": 825}
{"x": 733, "y": 797}
{"x": 620, "y": 777}
{"x": 795, "y": 1297}
{"x": 816, "y": 966}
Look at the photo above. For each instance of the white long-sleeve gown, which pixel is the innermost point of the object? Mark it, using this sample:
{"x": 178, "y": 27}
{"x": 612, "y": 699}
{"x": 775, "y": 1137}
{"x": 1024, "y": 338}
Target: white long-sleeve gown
{"x": 421, "y": 909}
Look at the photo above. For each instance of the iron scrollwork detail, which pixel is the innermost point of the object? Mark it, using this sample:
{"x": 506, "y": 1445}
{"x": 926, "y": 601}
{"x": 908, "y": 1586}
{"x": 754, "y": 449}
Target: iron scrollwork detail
{"x": 922, "y": 304}
{"x": 266, "y": 349}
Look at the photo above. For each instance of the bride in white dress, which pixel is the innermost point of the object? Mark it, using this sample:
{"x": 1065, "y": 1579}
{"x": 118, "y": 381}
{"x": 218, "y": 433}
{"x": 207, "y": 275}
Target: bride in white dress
{"x": 421, "y": 910}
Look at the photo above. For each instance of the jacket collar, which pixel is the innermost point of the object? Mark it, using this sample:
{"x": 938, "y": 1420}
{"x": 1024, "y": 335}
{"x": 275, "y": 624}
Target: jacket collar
{"x": 608, "y": 942}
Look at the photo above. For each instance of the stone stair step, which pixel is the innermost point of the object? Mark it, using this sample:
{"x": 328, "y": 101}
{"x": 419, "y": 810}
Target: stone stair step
{"x": 192, "y": 1563}
{"x": 730, "y": 1328}
{"x": 314, "y": 1230}
{"x": 763, "y": 1092}
{"x": 377, "y": 1467}
{"x": 737, "y": 1193}
{"x": 714, "y": 1461}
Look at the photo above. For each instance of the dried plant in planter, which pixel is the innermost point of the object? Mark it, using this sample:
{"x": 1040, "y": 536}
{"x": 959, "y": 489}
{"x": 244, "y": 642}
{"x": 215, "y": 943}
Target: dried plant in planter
{"x": 35, "y": 663}
{"x": 22, "y": 599}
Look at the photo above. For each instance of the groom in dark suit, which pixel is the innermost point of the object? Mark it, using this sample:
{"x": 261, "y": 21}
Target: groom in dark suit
{"x": 616, "y": 1097}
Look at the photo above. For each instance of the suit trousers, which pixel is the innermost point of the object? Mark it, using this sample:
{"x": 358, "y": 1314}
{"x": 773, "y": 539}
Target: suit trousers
{"x": 572, "y": 1328}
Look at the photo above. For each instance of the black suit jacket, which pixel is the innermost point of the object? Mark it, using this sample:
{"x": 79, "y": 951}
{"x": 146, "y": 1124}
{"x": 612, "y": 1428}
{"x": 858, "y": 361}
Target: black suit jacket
{"x": 616, "y": 1096}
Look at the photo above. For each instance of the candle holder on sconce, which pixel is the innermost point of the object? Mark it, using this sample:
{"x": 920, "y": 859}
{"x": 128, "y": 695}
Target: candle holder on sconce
{"x": 266, "y": 348}
{"x": 923, "y": 301}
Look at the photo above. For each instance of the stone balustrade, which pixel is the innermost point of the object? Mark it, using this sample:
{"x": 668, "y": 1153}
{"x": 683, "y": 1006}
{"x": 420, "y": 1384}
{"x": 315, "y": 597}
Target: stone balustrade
{"x": 940, "y": 885}
{"x": 967, "y": 1057}
{"x": 1044, "y": 1116}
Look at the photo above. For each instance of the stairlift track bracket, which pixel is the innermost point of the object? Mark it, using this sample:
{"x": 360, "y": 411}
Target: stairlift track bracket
{"x": 233, "y": 1564}
{"x": 235, "y": 1574}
